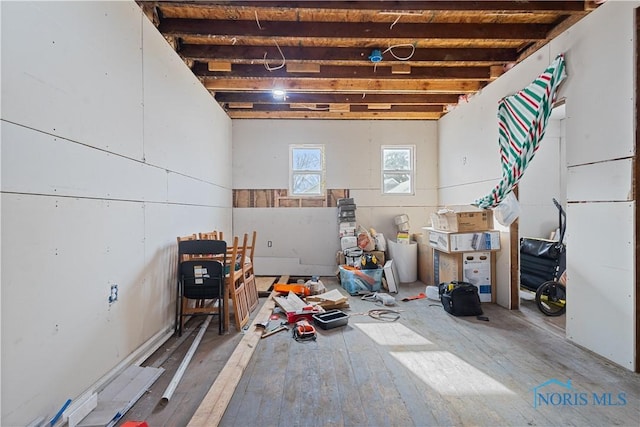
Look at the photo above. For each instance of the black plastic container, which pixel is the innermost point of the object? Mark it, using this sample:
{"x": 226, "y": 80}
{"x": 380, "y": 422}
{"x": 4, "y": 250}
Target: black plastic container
{"x": 331, "y": 319}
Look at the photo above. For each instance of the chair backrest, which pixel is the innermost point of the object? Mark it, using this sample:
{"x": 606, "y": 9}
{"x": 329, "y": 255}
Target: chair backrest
{"x": 211, "y": 235}
{"x": 202, "y": 247}
{"x": 251, "y": 247}
{"x": 202, "y": 279}
{"x": 202, "y": 266}
{"x": 232, "y": 254}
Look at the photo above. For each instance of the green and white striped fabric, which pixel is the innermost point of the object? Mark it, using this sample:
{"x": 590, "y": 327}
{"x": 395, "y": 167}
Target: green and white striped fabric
{"x": 522, "y": 121}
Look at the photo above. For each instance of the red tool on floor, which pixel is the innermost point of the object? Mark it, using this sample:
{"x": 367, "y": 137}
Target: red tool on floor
{"x": 419, "y": 296}
{"x": 303, "y": 331}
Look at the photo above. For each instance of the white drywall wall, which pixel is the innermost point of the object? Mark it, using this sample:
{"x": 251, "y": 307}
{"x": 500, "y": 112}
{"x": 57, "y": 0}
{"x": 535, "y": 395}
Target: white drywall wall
{"x": 305, "y": 240}
{"x": 543, "y": 181}
{"x": 110, "y": 149}
{"x": 599, "y": 127}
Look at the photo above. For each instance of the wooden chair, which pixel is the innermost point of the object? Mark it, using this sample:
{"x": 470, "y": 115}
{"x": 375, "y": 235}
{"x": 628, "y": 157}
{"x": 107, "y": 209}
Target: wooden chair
{"x": 236, "y": 290}
{"x": 248, "y": 274}
{"x": 201, "y": 280}
{"x": 212, "y": 235}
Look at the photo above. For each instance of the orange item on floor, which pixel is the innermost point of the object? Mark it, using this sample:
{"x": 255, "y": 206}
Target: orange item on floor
{"x": 296, "y": 289}
{"x": 135, "y": 424}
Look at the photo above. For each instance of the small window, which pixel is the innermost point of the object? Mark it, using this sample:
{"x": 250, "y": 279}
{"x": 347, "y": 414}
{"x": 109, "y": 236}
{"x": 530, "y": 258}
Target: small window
{"x": 398, "y": 169}
{"x": 306, "y": 170}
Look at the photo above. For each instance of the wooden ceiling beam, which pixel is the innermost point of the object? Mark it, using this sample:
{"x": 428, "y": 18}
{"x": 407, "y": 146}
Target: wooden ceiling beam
{"x": 343, "y": 107}
{"x": 323, "y": 54}
{"x": 333, "y": 98}
{"x": 343, "y": 85}
{"x": 382, "y": 70}
{"x": 313, "y": 114}
{"x": 366, "y": 31}
{"x": 397, "y": 6}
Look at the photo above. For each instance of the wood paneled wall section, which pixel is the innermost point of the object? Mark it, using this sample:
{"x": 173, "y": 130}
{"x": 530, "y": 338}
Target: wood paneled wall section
{"x": 281, "y": 199}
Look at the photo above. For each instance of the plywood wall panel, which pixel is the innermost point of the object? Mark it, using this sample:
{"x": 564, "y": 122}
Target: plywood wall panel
{"x": 605, "y": 181}
{"x": 57, "y": 166}
{"x": 600, "y": 272}
{"x": 66, "y": 254}
{"x": 192, "y": 191}
{"x": 99, "y": 103}
{"x": 195, "y": 125}
{"x": 83, "y": 206}
{"x": 601, "y": 72}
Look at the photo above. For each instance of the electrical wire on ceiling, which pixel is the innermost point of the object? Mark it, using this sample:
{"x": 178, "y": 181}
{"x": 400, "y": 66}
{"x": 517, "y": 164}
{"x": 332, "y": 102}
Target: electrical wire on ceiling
{"x": 284, "y": 60}
{"x": 406, "y": 58}
{"x": 396, "y": 21}
{"x": 257, "y": 20}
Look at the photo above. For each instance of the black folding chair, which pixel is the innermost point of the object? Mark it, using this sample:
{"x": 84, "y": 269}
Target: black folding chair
{"x": 201, "y": 277}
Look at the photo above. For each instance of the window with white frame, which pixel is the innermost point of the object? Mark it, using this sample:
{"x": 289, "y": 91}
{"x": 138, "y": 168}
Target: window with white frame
{"x": 398, "y": 169}
{"x": 306, "y": 170}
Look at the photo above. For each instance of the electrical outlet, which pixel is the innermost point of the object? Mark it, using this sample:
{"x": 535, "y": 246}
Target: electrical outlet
{"x": 113, "y": 295}
{"x": 269, "y": 243}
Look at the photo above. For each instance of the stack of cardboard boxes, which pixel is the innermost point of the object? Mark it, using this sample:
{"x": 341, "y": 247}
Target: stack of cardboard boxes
{"x": 463, "y": 244}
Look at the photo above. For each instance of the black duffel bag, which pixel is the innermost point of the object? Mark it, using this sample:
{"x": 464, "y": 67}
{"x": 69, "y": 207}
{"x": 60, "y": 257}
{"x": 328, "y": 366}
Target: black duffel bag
{"x": 460, "y": 298}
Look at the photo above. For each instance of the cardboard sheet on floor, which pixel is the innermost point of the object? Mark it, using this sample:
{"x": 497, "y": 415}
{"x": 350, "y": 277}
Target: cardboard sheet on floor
{"x": 290, "y": 303}
{"x": 120, "y": 395}
{"x": 263, "y": 284}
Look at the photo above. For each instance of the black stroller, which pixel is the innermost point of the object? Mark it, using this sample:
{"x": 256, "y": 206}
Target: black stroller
{"x": 542, "y": 263}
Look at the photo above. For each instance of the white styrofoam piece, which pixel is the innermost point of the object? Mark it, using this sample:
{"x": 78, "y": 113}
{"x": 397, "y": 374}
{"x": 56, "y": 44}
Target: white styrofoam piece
{"x": 83, "y": 410}
{"x": 391, "y": 276}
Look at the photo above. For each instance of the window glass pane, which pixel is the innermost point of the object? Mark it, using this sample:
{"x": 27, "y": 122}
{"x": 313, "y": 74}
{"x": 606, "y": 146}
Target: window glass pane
{"x": 397, "y": 183}
{"x": 397, "y": 159}
{"x": 309, "y": 159}
{"x": 306, "y": 183}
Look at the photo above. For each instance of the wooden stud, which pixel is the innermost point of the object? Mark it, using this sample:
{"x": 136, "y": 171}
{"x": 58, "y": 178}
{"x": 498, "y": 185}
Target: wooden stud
{"x": 219, "y": 66}
{"x": 342, "y": 108}
{"x": 495, "y": 71}
{"x": 240, "y": 105}
{"x": 379, "y": 106}
{"x": 401, "y": 69}
{"x": 303, "y": 67}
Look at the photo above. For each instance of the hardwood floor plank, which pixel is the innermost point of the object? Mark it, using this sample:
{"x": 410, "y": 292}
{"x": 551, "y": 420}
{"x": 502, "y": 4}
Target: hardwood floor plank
{"x": 427, "y": 368}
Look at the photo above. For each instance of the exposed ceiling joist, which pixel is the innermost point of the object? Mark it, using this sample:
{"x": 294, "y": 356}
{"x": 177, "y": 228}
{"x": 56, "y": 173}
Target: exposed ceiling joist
{"x": 368, "y": 60}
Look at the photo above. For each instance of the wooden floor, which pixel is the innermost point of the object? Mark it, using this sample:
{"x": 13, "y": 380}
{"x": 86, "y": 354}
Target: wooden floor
{"x": 426, "y": 369}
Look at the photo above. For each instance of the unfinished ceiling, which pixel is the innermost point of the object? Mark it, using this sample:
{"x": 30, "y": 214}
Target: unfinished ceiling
{"x": 355, "y": 59}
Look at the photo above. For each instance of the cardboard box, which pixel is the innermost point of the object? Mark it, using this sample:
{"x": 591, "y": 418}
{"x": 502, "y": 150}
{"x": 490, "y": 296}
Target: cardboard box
{"x": 462, "y": 220}
{"x": 464, "y": 242}
{"x": 425, "y": 258}
{"x": 477, "y": 268}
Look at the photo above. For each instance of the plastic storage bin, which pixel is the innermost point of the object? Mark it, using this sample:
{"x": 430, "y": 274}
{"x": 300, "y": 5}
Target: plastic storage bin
{"x": 331, "y": 319}
{"x": 361, "y": 281}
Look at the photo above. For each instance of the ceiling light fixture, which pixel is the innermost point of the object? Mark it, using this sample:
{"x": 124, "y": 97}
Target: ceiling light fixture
{"x": 278, "y": 93}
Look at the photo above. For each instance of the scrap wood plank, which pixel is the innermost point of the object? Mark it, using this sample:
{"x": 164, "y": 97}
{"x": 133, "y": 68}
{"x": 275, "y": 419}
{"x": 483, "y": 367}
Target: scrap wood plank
{"x": 334, "y": 296}
{"x": 264, "y": 283}
{"x": 214, "y": 404}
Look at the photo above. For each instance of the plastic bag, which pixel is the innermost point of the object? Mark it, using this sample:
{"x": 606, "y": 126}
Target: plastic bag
{"x": 365, "y": 241}
{"x": 508, "y": 210}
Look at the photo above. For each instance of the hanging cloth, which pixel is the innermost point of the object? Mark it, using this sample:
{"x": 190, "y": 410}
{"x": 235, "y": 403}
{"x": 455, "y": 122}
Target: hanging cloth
{"x": 522, "y": 121}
